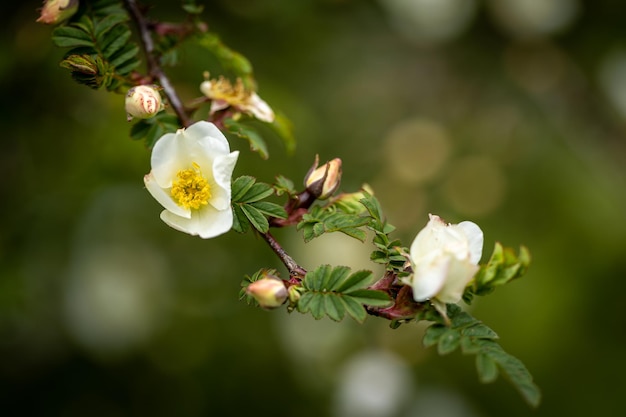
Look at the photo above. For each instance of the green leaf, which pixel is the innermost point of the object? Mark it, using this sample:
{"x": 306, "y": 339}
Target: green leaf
{"x": 240, "y": 187}
{"x": 449, "y": 341}
{"x": 104, "y": 26}
{"x": 257, "y": 144}
{"x": 256, "y": 192}
{"x": 313, "y": 279}
{"x": 71, "y": 37}
{"x": 317, "y": 306}
{"x": 333, "y": 307}
{"x": 270, "y": 209}
{"x": 355, "y": 281}
{"x": 283, "y": 128}
{"x": 256, "y": 218}
{"x": 337, "y": 275}
{"x": 304, "y": 302}
{"x": 486, "y": 368}
{"x": 115, "y": 41}
{"x": 370, "y": 297}
{"x": 373, "y": 207}
{"x": 240, "y": 221}
{"x": 433, "y": 334}
{"x": 284, "y": 185}
{"x": 354, "y": 309}
{"x": 124, "y": 57}
{"x": 479, "y": 331}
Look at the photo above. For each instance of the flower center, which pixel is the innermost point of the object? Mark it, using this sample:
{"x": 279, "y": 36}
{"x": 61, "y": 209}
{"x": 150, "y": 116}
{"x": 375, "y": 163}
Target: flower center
{"x": 191, "y": 190}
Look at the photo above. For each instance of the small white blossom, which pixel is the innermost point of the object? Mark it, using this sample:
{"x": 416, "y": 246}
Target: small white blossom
{"x": 191, "y": 178}
{"x": 444, "y": 259}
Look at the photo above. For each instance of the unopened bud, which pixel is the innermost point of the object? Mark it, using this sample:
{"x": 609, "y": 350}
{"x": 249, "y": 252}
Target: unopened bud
{"x": 322, "y": 182}
{"x": 269, "y": 292}
{"x": 56, "y": 11}
{"x": 143, "y": 102}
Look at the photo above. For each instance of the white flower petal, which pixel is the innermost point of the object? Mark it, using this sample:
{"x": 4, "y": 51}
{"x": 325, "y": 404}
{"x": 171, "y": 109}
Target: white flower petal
{"x": 164, "y": 197}
{"x": 428, "y": 278}
{"x": 199, "y": 131}
{"x": 168, "y": 157}
{"x": 460, "y": 273}
{"x": 206, "y": 222}
{"x": 223, "y": 167}
{"x": 475, "y": 238}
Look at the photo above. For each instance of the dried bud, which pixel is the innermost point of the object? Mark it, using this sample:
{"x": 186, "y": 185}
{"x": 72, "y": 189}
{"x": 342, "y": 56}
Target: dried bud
{"x": 143, "y": 102}
{"x": 270, "y": 292}
{"x": 56, "y": 11}
{"x": 322, "y": 182}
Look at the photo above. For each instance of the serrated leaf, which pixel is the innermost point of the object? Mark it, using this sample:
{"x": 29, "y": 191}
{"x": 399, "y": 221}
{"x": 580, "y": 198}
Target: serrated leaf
{"x": 355, "y": 281}
{"x": 284, "y": 185}
{"x": 258, "y": 191}
{"x": 139, "y": 130}
{"x": 432, "y": 334}
{"x": 304, "y": 302}
{"x": 486, "y": 368}
{"x": 357, "y": 234}
{"x": 240, "y": 221}
{"x": 354, "y": 309}
{"x": 373, "y": 207}
{"x": 479, "y": 331}
{"x": 122, "y": 57}
{"x": 515, "y": 371}
{"x": 333, "y": 306}
{"x": 462, "y": 319}
{"x": 316, "y": 306}
{"x": 469, "y": 346}
{"x": 336, "y": 276}
{"x": 103, "y": 26}
{"x": 313, "y": 279}
{"x": 256, "y": 218}
{"x": 283, "y": 128}
{"x": 371, "y": 297}
{"x": 240, "y": 187}
{"x": 71, "y": 36}
{"x": 318, "y": 229}
{"x": 257, "y": 144}
{"x": 270, "y": 209}
{"x": 115, "y": 41}
{"x": 449, "y": 341}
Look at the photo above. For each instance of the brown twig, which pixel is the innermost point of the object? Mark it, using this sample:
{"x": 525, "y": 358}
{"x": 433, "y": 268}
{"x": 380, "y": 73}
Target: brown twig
{"x": 154, "y": 69}
{"x": 295, "y": 270}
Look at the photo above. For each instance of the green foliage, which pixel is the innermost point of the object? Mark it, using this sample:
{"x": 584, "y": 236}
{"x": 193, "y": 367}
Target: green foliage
{"x": 284, "y": 130}
{"x": 320, "y": 220}
{"x": 101, "y": 54}
{"x": 334, "y": 292}
{"x": 257, "y": 143}
{"x": 475, "y": 338}
{"x": 248, "y": 207}
{"x": 389, "y": 251}
{"x": 503, "y": 267}
{"x": 150, "y": 130}
{"x": 232, "y": 62}
{"x": 284, "y": 185}
{"x": 243, "y": 295}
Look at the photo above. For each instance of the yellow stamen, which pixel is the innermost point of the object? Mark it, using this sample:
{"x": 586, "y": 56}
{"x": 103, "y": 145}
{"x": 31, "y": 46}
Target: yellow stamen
{"x": 191, "y": 190}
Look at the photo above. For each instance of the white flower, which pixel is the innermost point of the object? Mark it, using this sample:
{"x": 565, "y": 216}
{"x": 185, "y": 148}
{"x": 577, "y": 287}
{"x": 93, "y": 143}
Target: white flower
{"x": 444, "y": 259}
{"x": 190, "y": 177}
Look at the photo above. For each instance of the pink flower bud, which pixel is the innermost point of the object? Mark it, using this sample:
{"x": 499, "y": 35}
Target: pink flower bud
{"x": 269, "y": 292}
{"x": 143, "y": 102}
{"x": 56, "y": 11}
{"x": 322, "y": 182}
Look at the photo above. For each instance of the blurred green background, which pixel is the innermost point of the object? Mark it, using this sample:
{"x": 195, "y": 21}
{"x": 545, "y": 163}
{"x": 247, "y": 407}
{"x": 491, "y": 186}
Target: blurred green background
{"x": 509, "y": 113}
